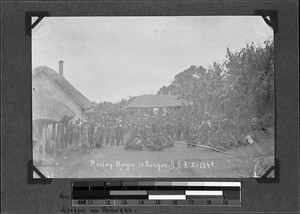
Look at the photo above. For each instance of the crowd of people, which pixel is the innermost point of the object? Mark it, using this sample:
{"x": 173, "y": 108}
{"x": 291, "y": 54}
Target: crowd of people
{"x": 153, "y": 132}
{"x": 142, "y": 131}
{"x": 92, "y": 134}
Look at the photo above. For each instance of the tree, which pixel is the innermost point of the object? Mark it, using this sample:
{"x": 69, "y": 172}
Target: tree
{"x": 251, "y": 73}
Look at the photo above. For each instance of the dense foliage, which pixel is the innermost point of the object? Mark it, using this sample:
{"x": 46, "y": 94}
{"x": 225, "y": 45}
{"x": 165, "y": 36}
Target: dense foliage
{"x": 233, "y": 91}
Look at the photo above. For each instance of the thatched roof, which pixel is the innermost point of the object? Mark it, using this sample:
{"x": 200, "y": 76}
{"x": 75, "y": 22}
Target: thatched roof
{"x": 47, "y": 108}
{"x": 155, "y": 101}
{"x": 65, "y": 84}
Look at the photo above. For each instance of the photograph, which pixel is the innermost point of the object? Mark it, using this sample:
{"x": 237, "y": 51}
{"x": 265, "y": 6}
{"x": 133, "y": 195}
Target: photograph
{"x": 153, "y": 97}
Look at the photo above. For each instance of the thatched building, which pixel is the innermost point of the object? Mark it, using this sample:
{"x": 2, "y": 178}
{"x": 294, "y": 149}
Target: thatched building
{"x": 61, "y": 89}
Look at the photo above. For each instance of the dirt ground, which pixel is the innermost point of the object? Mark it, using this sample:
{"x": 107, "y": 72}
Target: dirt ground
{"x": 178, "y": 161}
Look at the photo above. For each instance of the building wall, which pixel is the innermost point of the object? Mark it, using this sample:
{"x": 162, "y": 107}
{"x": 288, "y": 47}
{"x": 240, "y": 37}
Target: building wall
{"x": 43, "y": 80}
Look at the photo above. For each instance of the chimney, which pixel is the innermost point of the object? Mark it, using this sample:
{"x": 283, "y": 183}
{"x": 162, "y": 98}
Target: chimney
{"x": 61, "y": 68}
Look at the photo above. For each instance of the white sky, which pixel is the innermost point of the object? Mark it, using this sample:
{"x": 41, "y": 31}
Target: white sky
{"x": 108, "y": 58}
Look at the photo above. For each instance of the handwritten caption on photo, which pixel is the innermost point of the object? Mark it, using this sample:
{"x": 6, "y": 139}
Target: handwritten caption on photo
{"x": 127, "y": 166}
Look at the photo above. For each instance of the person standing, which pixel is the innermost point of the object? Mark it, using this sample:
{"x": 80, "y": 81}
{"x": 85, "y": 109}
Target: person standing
{"x": 95, "y": 134}
{"x": 98, "y": 136}
{"x": 85, "y": 133}
{"x": 122, "y": 134}
{"x": 77, "y": 134}
{"x": 179, "y": 128}
{"x": 186, "y": 130}
{"x": 92, "y": 134}
{"x": 254, "y": 124}
{"x": 107, "y": 135}
{"x": 112, "y": 136}
{"x": 89, "y": 139}
{"x": 81, "y": 135}
{"x": 102, "y": 131}
{"x": 70, "y": 134}
{"x": 193, "y": 136}
{"x": 118, "y": 135}
{"x": 205, "y": 133}
{"x": 142, "y": 131}
{"x": 255, "y": 127}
